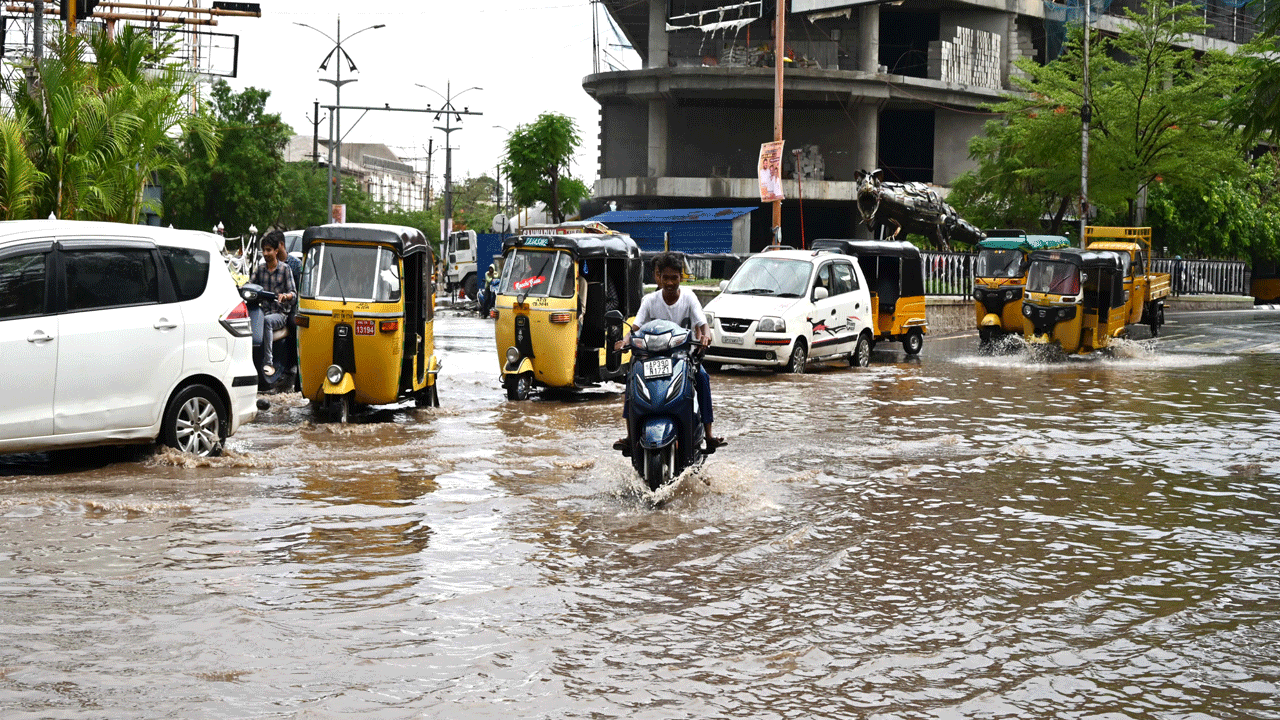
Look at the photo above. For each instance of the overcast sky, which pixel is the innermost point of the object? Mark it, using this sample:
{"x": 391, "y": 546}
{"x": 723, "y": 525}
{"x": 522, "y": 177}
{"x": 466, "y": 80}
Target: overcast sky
{"x": 528, "y": 56}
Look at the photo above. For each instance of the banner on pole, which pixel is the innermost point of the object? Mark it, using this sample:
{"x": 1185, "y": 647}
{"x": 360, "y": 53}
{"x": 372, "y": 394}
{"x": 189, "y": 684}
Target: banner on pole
{"x": 338, "y": 213}
{"x": 770, "y": 170}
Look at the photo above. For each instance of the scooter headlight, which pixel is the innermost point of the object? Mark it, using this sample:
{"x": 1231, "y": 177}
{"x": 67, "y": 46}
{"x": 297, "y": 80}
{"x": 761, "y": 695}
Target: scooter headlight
{"x": 663, "y": 341}
{"x": 513, "y": 355}
{"x": 248, "y": 294}
{"x": 334, "y": 374}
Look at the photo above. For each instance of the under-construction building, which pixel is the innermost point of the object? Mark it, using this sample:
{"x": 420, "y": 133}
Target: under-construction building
{"x": 896, "y": 85}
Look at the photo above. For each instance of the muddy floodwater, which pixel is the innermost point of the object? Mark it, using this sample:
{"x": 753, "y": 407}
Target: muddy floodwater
{"x": 958, "y": 536}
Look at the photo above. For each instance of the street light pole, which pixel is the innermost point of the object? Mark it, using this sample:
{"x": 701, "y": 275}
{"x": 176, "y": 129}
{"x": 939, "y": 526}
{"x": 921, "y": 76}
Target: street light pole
{"x": 449, "y": 111}
{"x": 335, "y": 136}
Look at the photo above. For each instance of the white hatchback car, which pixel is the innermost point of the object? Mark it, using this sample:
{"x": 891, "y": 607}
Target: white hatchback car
{"x": 113, "y": 334}
{"x": 786, "y": 308}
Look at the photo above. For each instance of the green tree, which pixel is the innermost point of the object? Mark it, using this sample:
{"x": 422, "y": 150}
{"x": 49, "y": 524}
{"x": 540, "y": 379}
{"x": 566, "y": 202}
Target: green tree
{"x": 97, "y": 132}
{"x": 19, "y": 177}
{"x": 306, "y": 195}
{"x": 1223, "y": 217}
{"x": 243, "y": 183}
{"x": 1257, "y": 104}
{"x": 1156, "y": 111}
{"x": 537, "y": 163}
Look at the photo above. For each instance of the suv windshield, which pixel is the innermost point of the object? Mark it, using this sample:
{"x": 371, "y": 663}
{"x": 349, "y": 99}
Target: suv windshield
{"x": 537, "y": 273}
{"x": 349, "y": 272}
{"x": 994, "y": 263}
{"x": 771, "y": 276}
{"x": 1057, "y": 278}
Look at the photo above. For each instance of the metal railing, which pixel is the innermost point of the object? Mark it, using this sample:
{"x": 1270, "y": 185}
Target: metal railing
{"x": 1205, "y": 277}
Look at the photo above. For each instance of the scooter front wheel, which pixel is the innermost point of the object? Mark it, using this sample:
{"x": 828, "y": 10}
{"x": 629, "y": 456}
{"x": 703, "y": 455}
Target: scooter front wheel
{"x": 659, "y": 466}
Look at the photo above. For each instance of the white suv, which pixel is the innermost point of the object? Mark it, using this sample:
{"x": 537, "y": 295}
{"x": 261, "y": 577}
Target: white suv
{"x": 113, "y": 334}
{"x": 785, "y": 308}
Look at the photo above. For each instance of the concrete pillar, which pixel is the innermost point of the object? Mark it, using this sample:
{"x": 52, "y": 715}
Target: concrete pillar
{"x": 867, "y": 117}
{"x": 869, "y": 38}
{"x": 657, "y": 34}
{"x": 657, "y": 138}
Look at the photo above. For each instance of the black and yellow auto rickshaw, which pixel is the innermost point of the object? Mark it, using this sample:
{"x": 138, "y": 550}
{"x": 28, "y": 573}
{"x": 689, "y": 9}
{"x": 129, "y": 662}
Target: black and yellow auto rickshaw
{"x": 895, "y": 276}
{"x": 1074, "y": 299}
{"x": 1000, "y": 277}
{"x": 556, "y": 288}
{"x": 366, "y": 311}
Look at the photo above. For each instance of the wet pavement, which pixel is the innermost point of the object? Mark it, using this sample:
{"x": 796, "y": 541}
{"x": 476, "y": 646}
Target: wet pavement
{"x": 958, "y": 536}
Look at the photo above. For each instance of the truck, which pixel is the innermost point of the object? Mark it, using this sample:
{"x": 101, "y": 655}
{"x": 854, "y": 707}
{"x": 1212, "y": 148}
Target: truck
{"x": 466, "y": 257}
{"x": 1145, "y": 291}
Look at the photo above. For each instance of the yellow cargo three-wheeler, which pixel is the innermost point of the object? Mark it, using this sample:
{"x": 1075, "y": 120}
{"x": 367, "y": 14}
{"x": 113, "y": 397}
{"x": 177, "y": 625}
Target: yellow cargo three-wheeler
{"x": 366, "y": 313}
{"x": 1075, "y": 299}
{"x": 1000, "y": 277}
{"x": 550, "y": 327}
{"x": 1145, "y": 291}
{"x": 895, "y": 276}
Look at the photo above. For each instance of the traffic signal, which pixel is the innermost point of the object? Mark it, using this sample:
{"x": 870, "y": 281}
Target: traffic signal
{"x": 84, "y": 8}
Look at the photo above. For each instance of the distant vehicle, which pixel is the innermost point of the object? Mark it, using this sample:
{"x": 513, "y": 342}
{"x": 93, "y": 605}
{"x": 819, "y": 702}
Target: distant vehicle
{"x": 786, "y": 308}
{"x": 1000, "y": 278}
{"x": 1145, "y": 291}
{"x": 460, "y": 254}
{"x": 113, "y": 334}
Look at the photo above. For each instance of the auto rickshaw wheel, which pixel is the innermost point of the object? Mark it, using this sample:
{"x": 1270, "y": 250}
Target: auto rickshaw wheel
{"x": 337, "y": 408}
{"x": 518, "y": 386}
{"x": 912, "y": 343}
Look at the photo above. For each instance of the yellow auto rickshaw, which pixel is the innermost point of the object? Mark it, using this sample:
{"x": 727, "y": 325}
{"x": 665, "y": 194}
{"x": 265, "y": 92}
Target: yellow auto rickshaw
{"x": 895, "y": 279}
{"x": 1075, "y": 299}
{"x": 1000, "y": 277}
{"x": 550, "y": 309}
{"x": 366, "y": 310}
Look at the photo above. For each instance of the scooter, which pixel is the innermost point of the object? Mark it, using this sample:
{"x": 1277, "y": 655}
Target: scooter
{"x": 253, "y": 296}
{"x": 664, "y": 426}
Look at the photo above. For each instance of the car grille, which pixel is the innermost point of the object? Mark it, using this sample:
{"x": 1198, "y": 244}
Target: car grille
{"x": 734, "y": 325}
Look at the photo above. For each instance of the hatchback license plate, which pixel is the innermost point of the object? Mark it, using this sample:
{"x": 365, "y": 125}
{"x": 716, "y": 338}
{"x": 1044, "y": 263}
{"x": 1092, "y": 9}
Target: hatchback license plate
{"x": 657, "y": 368}
{"x": 731, "y": 339}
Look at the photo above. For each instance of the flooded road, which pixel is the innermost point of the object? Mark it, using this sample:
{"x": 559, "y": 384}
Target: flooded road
{"x": 961, "y": 536}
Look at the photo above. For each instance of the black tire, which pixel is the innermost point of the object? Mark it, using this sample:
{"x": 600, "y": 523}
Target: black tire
{"x": 912, "y": 343}
{"x": 799, "y": 358}
{"x": 655, "y": 466}
{"x": 195, "y": 422}
{"x": 469, "y": 286}
{"x": 861, "y": 356}
{"x": 518, "y": 386}
{"x": 338, "y": 408}
{"x": 986, "y": 338}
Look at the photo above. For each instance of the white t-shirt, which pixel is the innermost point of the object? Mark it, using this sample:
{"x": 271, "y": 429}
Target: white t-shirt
{"x": 686, "y": 312}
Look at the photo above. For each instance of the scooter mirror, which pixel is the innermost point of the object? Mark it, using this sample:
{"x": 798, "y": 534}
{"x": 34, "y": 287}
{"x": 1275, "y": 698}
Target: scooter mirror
{"x": 614, "y": 317}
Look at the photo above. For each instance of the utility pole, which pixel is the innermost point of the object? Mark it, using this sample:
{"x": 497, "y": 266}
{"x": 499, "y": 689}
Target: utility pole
{"x": 430, "y": 152}
{"x": 1086, "y": 113}
{"x": 315, "y": 134}
{"x": 449, "y": 112}
{"x": 779, "y": 53}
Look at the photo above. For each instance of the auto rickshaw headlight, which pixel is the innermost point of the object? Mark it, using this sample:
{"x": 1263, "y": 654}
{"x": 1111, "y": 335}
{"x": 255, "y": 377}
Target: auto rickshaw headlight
{"x": 977, "y": 294}
{"x": 1026, "y": 310}
{"x": 513, "y": 355}
{"x": 1008, "y": 295}
{"x": 334, "y": 374}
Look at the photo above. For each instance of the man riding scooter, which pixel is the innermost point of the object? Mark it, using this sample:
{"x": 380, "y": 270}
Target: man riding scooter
{"x": 682, "y": 307}
{"x": 275, "y": 276}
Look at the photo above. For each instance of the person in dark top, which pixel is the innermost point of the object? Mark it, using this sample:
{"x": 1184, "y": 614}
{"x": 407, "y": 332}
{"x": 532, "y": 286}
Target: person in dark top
{"x": 274, "y": 275}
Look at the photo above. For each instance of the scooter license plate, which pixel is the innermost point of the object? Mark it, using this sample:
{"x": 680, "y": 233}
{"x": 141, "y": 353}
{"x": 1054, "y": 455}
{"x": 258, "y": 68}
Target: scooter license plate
{"x": 657, "y": 368}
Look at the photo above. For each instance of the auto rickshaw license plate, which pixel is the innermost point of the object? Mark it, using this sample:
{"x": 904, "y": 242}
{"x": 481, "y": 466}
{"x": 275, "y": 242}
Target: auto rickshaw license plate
{"x": 364, "y": 327}
{"x": 657, "y": 368}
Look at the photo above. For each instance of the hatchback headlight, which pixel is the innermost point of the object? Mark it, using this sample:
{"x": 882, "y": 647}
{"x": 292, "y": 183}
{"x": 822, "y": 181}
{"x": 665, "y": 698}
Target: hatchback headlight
{"x": 772, "y": 325}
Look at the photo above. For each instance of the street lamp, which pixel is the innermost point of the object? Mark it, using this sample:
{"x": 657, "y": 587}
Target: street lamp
{"x": 449, "y": 112}
{"x": 335, "y": 194}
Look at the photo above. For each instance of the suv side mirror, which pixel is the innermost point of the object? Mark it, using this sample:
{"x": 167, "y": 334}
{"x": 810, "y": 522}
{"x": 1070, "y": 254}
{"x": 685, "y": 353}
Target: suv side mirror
{"x": 820, "y": 293}
{"x": 723, "y": 284}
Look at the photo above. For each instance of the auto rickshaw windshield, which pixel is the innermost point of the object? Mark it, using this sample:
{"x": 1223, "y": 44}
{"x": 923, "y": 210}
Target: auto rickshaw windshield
{"x": 538, "y": 273}
{"x": 770, "y": 276}
{"x": 367, "y": 273}
{"x": 1057, "y": 278}
{"x": 997, "y": 263}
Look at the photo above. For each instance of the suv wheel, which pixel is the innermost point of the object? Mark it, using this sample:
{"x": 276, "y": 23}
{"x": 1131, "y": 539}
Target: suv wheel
{"x": 799, "y": 358}
{"x": 861, "y": 356}
{"x": 195, "y": 422}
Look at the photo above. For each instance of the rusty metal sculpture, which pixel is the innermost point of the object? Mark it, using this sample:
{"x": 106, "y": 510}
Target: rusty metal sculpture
{"x": 911, "y": 207}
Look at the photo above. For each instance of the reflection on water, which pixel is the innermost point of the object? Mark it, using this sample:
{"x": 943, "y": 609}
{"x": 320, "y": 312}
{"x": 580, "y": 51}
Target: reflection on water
{"x": 966, "y": 536}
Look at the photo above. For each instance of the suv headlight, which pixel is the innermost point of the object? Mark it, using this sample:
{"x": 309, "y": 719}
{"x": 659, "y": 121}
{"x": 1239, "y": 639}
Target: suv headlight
{"x": 772, "y": 325}
{"x": 711, "y": 319}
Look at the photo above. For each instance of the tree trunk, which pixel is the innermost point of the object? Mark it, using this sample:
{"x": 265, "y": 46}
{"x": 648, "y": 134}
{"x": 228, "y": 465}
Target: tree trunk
{"x": 555, "y": 197}
{"x": 1055, "y": 228}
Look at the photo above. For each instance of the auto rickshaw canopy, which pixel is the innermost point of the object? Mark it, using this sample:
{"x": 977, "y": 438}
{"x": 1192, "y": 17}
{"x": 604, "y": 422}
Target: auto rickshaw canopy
{"x": 1019, "y": 240}
{"x": 1083, "y": 259}
{"x": 887, "y": 248}
{"x": 582, "y": 245}
{"x": 406, "y": 240}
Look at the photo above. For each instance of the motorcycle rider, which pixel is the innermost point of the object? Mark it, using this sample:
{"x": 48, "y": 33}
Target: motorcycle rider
{"x": 682, "y": 307}
{"x": 274, "y": 275}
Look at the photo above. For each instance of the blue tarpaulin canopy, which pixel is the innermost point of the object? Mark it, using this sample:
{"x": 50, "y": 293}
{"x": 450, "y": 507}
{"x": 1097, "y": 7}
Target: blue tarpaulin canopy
{"x": 691, "y": 230}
